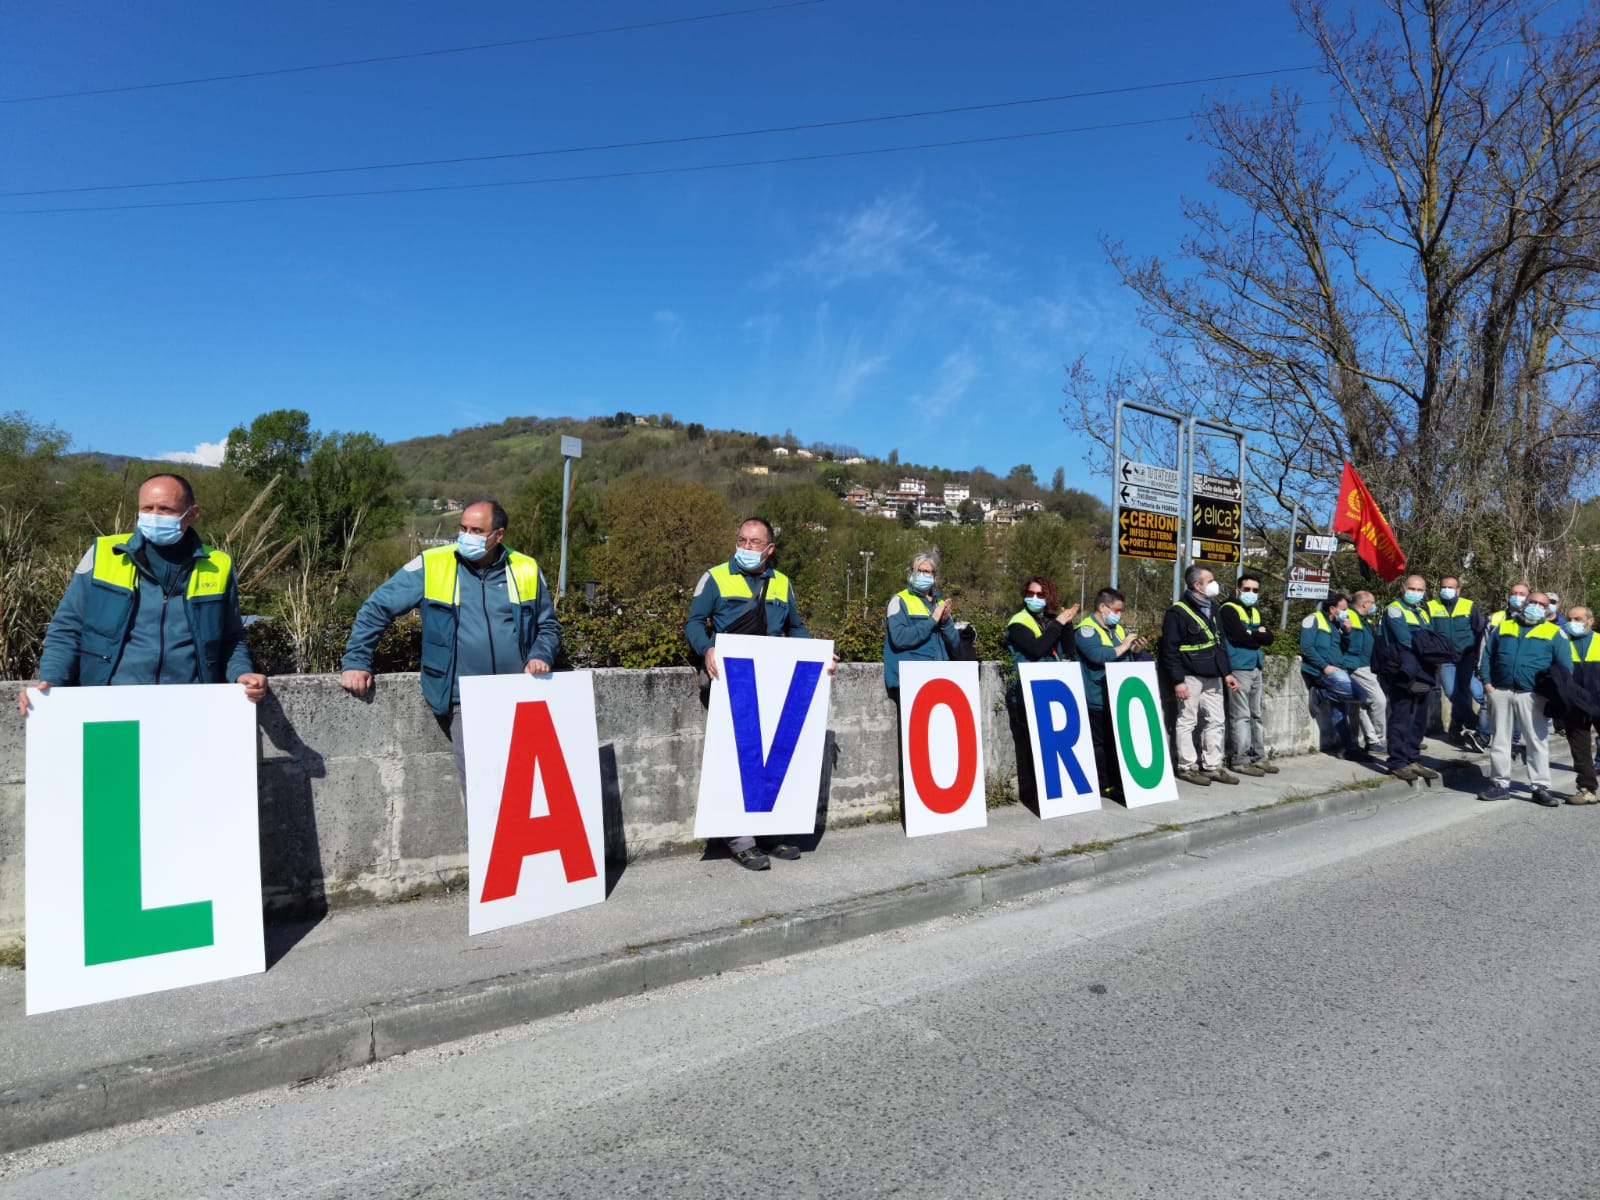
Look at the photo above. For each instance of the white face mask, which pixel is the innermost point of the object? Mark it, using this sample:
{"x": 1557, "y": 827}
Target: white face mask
{"x": 1213, "y": 589}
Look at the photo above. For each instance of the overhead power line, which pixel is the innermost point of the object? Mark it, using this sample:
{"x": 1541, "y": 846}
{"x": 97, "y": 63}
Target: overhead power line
{"x": 415, "y": 54}
{"x": 630, "y": 174}
{"x": 685, "y": 139}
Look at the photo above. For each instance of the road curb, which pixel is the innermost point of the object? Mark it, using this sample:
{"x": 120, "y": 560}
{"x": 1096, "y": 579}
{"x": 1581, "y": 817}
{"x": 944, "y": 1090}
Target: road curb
{"x": 47, "y": 1110}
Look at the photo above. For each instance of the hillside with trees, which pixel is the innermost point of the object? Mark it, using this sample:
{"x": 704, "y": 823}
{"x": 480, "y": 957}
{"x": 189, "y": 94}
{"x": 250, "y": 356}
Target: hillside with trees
{"x": 316, "y": 519}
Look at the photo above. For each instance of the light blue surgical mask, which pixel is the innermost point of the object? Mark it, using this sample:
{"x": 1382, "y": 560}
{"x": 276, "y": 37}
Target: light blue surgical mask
{"x": 1447, "y": 593}
{"x": 1413, "y": 597}
{"x": 1515, "y": 601}
{"x": 747, "y": 559}
{"x": 1533, "y": 613}
{"x": 1248, "y": 599}
{"x": 472, "y": 546}
{"x": 921, "y": 581}
{"x": 1034, "y": 604}
{"x": 1113, "y": 619}
{"x": 1576, "y": 629}
{"x": 159, "y": 529}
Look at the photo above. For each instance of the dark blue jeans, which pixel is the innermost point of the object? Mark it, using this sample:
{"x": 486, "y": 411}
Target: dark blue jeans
{"x": 1337, "y": 690}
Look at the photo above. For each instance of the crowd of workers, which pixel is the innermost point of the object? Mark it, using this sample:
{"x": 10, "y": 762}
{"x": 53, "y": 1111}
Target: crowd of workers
{"x": 158, "y": 606}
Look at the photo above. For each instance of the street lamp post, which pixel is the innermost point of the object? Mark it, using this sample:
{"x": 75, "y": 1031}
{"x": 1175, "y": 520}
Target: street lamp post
{"x": 866, "y": 580}
{"x": 849, "y": 577}
{"x": 571, "y": 448}
{"x": 1081, "y": 566}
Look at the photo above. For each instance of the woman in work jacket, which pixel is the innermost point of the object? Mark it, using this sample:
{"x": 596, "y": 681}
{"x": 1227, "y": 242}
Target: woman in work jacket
{"x": 917, "y": 625}
{"x": 1032, "y": 640}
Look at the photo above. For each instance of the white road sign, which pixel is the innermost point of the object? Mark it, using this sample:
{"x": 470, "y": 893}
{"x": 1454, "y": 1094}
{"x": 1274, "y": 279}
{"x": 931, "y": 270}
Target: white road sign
{"x": 1145, "y": 475}
{"x": 1148, "y": 498}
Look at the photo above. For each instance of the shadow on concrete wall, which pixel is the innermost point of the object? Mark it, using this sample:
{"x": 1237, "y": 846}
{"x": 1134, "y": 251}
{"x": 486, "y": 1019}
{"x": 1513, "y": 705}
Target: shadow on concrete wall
{"x": 293, "y": 890}
{"x": 616, "y": 834}
{"x": 830, "y": 756}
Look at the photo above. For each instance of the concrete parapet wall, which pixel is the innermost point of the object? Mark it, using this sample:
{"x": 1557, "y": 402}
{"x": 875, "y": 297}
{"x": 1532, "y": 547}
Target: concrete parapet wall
{"x": 359, "y": 799}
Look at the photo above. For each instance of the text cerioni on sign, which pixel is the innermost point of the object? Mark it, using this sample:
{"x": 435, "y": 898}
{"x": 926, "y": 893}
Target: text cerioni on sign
{"x": 1145, "y": 534}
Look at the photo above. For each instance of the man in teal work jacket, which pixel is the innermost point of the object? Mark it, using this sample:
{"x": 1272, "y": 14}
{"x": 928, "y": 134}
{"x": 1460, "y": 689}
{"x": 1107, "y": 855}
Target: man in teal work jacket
{"x": 1522, "y": 646}
{"x": 745, "y": 595}
{"x": 486, "y": 610}
{"x": 154, "y": 606}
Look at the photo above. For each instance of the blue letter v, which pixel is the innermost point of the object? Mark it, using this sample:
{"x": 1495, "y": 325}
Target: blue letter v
{"x": 761, "y": 777}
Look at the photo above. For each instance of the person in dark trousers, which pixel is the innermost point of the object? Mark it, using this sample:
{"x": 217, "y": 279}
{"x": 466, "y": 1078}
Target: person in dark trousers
{"x": 1457, "y": 618}
{"x": 747, "y": 595}
{"x": 486, "y": 610}
{"x": 1408, "y": 684}
{"x": 1371, "y": 705}
{"x": 1195, "y": 662}
{"x": 1324, "y": 655}
{"x": 1036, "y": 633}
{"x": 1580, "y": 728}
{"x": 1518, "y": 651}
{"x": 1247, "y": 635}
{"x": 1101, "y": 639}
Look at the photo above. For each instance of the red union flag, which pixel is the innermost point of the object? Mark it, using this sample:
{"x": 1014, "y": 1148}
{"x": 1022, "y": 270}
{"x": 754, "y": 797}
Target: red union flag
{"x": 1358, "y": 513}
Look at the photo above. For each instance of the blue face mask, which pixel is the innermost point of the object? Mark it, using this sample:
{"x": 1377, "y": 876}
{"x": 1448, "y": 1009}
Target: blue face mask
{"x": 1533, "y": 613}
{"x": 921, "y": 581}
{"x": 1034, "y": 604}
{"x": 1516, "y": 601}
{"x": 1576, "y": 629}
{"x": 159, "y": 529}
{"x": 1248, "y": 599}
{"x": 1413, "y": 597}
{"x": 472, "y": 546}
{"x": 748, "y": 560}
{"x": 1447, "y": 593}
{"x": 1113, "y": 619}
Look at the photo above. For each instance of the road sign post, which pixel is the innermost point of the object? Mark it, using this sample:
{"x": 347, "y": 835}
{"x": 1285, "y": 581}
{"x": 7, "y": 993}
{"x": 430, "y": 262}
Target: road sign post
{"x": 1215, "y": 503}
{"x": 1146, "y": 500}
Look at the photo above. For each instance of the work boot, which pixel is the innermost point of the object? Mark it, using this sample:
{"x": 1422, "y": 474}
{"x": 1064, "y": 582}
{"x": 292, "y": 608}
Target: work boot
{"x": 1193, "y": 775}
{"x": 752, "y": 860}
{"x": 1222, "y": 776}
{"x": 1268, "y": 767}
{"x": 1406, "y": 772}
{"x": 1495, "y": 791}
{"x": 1543, "y": 796}
{"x": 1425, "y": 773}
{"x": 1249, "y": 769}
{"x": 1582, "y": 796}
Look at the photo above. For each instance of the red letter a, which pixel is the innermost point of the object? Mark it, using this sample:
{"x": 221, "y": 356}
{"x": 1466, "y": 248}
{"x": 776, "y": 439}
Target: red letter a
{"x": 517, "y": 833}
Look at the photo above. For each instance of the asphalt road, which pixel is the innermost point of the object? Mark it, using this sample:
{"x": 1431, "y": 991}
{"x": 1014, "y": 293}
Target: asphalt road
{"x": 1398, "y": 1003}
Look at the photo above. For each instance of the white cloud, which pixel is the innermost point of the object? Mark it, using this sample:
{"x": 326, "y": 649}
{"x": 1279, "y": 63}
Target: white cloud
{"x": 954, "y": 379}
{"x": 670, "y": 324}
{"x": 206, "y": 454}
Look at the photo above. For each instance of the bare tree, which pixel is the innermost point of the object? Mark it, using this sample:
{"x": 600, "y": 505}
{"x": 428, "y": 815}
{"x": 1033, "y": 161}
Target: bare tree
{"x": 1406, "y": 277}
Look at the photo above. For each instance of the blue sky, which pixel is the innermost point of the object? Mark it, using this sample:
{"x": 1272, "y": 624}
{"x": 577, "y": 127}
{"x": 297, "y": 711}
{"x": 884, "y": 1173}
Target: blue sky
{"x": 924, "y": 301}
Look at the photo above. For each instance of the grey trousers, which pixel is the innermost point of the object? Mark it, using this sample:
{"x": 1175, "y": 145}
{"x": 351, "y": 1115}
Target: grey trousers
{"x": 1372, "y": 708}
{"x": 1526, "y": 711}
{"x": 1247, "y": 741}
{"x": 1205, "y": 700}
